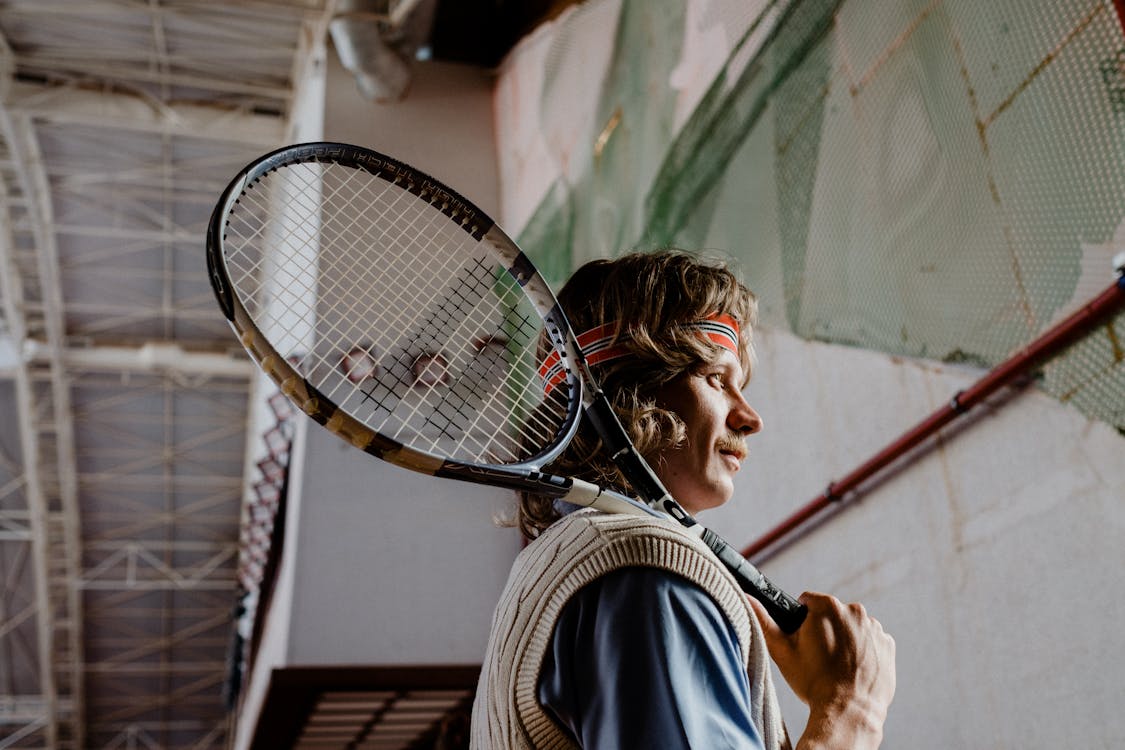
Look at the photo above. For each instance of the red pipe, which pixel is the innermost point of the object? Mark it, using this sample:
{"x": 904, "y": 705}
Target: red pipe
{"x": 1050, "y": 343}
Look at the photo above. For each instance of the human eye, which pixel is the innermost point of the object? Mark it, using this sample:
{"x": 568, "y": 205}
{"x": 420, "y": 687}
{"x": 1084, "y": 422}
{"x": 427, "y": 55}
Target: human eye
{"x": 716, "y": 379}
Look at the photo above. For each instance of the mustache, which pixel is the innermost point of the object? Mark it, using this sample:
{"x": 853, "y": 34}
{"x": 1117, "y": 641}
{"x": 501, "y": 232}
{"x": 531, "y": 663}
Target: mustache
{"x": 732, "y": 443}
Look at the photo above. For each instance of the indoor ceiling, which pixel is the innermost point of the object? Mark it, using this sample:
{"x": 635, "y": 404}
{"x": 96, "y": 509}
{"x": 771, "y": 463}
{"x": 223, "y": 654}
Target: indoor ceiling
{"x": 122, "y": 391}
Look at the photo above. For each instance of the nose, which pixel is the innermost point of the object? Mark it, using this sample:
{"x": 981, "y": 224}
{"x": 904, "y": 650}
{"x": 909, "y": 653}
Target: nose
{"x": 742, "y": 418}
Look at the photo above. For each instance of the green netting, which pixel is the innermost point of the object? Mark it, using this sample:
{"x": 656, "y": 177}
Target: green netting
{"x": 932, "y": 179}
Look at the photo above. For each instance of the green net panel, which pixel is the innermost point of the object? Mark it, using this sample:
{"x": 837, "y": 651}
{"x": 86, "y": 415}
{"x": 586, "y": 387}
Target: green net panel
{"x": 932, "y": 179}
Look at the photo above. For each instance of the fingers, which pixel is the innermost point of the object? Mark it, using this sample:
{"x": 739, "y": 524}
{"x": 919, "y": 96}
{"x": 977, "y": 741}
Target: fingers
{"x": 840, "y": 652}
{"x": 826, "y": 604}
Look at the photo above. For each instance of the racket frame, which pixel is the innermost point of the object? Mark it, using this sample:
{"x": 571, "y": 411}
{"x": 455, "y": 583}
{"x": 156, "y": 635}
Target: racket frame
{"x": 523, "y": 475}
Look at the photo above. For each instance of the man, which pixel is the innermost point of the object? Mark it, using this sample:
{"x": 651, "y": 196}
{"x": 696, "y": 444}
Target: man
{"x": 625, "y": 632}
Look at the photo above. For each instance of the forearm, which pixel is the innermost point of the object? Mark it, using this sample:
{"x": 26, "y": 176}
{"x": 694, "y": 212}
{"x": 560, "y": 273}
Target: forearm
{"x": 852, "y": 726}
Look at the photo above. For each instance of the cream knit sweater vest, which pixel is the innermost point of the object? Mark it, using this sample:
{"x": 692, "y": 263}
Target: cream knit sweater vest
{"x": 574, "y": 551}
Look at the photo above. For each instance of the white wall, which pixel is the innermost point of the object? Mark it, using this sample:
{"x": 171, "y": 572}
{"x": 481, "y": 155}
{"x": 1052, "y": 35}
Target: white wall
{"x": 995, "y": 559}
{"x": 394, "y": 567}
{"x": 443, "y": 127}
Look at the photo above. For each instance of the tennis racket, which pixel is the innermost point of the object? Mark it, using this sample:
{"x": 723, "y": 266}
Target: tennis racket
{"x": 396, "y": 314}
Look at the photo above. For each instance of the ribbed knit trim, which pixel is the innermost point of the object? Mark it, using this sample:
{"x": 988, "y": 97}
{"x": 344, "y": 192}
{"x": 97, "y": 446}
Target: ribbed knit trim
{"x": 575, "y": 551}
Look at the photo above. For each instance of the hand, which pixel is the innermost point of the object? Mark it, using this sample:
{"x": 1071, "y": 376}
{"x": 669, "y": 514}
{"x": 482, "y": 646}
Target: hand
{"x": 840, "y": 662}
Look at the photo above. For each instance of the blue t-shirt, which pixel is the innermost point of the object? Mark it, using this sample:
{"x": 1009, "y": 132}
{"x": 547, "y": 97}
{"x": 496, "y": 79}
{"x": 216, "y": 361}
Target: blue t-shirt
{"x": 643, "y": 658}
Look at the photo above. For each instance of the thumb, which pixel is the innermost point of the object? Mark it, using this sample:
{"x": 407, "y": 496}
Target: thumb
{"x": 770, "y": 629}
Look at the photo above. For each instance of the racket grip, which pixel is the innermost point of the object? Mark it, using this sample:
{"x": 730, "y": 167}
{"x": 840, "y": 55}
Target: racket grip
{"x": 786, "y": 611}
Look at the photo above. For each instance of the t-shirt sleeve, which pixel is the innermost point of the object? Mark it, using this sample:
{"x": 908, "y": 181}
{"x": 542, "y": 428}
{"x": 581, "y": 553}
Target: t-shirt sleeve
{"x": 643, "y": 658}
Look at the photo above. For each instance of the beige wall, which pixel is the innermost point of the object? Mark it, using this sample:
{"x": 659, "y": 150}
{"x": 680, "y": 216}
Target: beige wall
{"x": 394, "y": 567}
{"x": 992, "y": 558}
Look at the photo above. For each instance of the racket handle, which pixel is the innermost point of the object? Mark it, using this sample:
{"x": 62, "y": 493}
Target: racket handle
{"x": 786, "y": 611}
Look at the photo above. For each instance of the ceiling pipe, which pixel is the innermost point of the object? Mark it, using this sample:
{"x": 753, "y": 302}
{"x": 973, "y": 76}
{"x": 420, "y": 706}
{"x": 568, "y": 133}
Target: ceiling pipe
{"x": 378, "y": 39}
{"x": 150, "y": 357}
{"x": 1057, "y": 338}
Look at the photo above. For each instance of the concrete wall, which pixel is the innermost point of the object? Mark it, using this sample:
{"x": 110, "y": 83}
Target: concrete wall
{"x": 394, "y": 567}
{"x": 994, "y": 557}
{"x": 443, "y": 127}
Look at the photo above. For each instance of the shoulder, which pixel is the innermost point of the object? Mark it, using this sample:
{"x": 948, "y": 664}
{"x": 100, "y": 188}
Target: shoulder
{"x": 595, "y": 527}
{"x": 607, "y": 541}
{"x": 586, "y": 545}
{"x": 636, "y": 598}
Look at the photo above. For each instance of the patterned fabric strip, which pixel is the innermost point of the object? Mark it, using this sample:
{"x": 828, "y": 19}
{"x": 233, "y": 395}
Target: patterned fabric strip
{"x": 598, "y": 346}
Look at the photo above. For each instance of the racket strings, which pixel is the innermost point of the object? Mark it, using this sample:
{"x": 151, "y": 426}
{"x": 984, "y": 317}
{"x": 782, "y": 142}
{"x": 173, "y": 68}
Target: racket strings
{"x": 345, "y": 270}
{"x": 427, "y": 339}
{"x": 367, "y": 294}
{"x": 463, "y": 298}
{"x": 272, "y": 285}
{"x": 480, "y": 403}
{"x": 519, "y": 330}
{"x": 449, "y": 410}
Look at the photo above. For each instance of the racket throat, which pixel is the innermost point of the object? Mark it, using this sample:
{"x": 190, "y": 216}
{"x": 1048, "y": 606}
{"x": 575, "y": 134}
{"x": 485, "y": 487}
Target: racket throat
{"x": 631, "y": 463}
{"x": 591, "y": 495}
{"x": 676, "y": 511}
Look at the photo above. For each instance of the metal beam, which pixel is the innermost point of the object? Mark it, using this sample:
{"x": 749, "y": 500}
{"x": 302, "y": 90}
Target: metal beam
{"x": 276, "y": 94}
{"x": 55, "y": 518}
{"x": 151, "y": 357}
{"x": 11, "y": 285}
{"x": 65, "y": 104}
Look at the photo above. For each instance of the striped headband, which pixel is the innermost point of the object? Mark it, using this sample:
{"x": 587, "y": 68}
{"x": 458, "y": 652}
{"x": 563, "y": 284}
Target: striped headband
{"x": 598, "y": 345}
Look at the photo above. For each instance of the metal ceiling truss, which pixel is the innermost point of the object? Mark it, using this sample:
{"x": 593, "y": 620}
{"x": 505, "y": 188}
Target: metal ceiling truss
{"x": 120, "y": 491}
{"x": 47, "y": 438}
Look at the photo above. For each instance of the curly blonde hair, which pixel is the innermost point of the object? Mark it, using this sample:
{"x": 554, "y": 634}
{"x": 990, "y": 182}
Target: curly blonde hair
{"x": 651, "y": 296}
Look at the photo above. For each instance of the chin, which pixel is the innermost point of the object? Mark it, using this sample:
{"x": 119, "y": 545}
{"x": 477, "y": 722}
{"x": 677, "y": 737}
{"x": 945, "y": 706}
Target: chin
{"x": 698, "y": 505}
